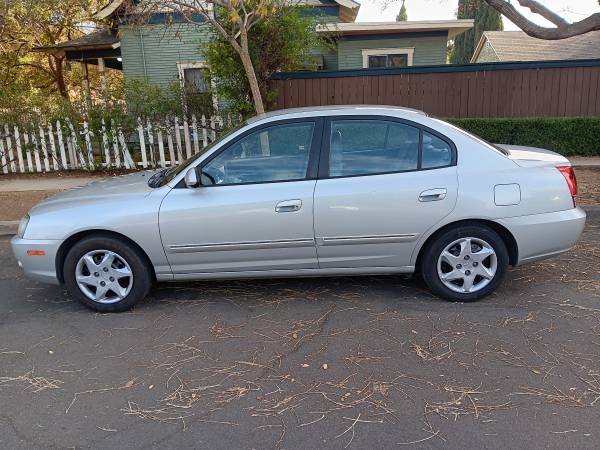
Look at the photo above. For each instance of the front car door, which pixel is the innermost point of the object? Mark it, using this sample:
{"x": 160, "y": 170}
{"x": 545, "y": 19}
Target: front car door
{"x": 382, "y": 183}
{"x": 254, "y": 210}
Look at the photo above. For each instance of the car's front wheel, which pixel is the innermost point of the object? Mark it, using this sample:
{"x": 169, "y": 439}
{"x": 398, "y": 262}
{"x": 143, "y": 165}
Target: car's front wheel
{"x": 465, "y": 263}
{"x": 106, "y": 274}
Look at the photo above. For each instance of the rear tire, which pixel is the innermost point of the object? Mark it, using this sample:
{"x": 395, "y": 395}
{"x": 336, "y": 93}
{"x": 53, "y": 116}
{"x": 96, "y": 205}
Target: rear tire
{"x": 106, "y": 274}
{"x": 465, "y": 263}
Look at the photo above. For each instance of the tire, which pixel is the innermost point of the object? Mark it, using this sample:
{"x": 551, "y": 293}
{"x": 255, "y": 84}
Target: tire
{"x": 104, "y": 259}
{"x": 482, "y": 267}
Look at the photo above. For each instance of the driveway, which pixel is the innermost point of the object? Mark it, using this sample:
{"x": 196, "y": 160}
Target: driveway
{"x": 372, "y": 362}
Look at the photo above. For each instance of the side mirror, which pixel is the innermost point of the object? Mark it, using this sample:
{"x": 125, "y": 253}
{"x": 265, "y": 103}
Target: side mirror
{"x": 191, "y": 178}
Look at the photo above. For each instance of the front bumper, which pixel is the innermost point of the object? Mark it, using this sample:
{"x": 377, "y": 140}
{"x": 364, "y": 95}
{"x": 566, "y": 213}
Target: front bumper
{"x": 541, "y": 236}
{"x": 39, "y": 268}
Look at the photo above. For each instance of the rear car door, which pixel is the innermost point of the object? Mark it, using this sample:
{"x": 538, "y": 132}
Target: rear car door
{"x": 382, "y": 183}
{"x": 254, "y": 210}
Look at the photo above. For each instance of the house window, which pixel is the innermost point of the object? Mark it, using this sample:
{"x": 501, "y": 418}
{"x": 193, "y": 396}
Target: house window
{"x": 196, "y": 85}
{"x": 387, "y": 57}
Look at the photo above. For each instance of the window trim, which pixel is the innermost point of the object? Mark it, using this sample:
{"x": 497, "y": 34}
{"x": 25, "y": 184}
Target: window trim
{"x": 326, "y": 143}
{"x": 313, "y": 156}
{"x": 181, "y": 66}
{"x": 366, "y": 52}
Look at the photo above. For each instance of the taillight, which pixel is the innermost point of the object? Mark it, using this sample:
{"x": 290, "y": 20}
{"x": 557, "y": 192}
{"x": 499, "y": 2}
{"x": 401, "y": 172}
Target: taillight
{"x": 569, "y": 175}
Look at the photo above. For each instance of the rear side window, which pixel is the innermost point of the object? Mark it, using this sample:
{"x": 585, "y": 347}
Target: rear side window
{"x": 436, "y": 152}
{"x": 369, "y": 147}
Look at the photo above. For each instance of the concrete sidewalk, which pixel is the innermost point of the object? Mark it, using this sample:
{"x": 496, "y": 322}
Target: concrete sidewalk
{"x": 44, "y": 184}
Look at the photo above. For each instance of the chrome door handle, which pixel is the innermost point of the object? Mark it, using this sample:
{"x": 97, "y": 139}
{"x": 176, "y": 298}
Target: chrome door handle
{"x": 288, "y": 206}
{"x": 431, "y": 195}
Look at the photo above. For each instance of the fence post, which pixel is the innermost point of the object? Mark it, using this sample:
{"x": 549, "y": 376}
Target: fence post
{"x": 61, "y": 144}
{"x": 11, "y": 155}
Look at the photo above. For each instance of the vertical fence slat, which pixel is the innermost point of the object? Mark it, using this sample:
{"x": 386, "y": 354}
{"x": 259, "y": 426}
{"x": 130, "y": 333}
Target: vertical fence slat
{"x": 61, "y": 145}
{"x": 170, "y": 145}
{"x": 151, "y": 149}
{"x": 161, "y": 147}
{"x": 113, "y": 132}
{"x": 178, "y": 141}
{"x": 44, "y": 149}
{"x": 11, "y": 155}
{"x": 36, "y": 150}
{"x": 27, "y": 151}
{"x": 140, "y": 129}
{"x": 4, "y": 157}
{"x": 53, "y": 154}
{"x": 204, "y": 132}
{"x": 127, "y": 159}
{"x": 76, "y": 148}
{"x": 195, "y": 134}
{"x": 186, "y": 139}
{"x": 105, "y": 144}
{"x": 88, "y": 144}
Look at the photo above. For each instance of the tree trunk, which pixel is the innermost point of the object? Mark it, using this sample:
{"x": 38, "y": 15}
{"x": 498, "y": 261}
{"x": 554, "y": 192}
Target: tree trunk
{"x": 57, "y": 68}
{"x": 251, "y": 73}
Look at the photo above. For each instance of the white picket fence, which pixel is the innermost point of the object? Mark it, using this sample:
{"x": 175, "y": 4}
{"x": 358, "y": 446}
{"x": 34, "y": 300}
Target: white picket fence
{"x": 64, "y": 146}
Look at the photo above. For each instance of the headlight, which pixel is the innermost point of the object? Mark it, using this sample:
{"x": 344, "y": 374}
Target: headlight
{"x": 23, "y": 226}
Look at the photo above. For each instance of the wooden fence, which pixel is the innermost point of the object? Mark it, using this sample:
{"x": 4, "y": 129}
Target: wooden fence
{"x": 65, "y": 146}
{"x": 520, "y": 89}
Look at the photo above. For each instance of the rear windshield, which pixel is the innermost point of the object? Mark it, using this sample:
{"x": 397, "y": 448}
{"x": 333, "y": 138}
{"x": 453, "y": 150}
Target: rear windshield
{"x": 494, "y": 147}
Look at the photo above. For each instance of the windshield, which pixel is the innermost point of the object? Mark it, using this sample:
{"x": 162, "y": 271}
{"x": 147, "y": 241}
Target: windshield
{"x": 166, "y": 175}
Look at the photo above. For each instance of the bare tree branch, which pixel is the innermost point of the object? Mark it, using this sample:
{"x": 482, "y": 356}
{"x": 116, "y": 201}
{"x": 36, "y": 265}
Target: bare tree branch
{"x": 591, "y": 23}
{"x": 546, "y": 13}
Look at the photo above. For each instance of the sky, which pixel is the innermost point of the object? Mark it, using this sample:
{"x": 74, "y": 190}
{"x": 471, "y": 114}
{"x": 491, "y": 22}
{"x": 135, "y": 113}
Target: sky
{"x": 374, "y": 11}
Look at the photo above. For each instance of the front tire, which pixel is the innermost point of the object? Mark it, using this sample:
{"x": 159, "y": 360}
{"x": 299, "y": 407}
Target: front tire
{"x": 106, "y": 274}
{"x": 465, "y": 263}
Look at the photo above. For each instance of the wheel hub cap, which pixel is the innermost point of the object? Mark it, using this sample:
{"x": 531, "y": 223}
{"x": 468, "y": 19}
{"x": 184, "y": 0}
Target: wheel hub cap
{"x": 104, "y": 276}
{"x": 467, "y": 265}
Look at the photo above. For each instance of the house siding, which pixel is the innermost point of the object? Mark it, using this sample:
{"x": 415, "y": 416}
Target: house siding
{"x": 163, "y": 47}
{"x": 429, "y": 49}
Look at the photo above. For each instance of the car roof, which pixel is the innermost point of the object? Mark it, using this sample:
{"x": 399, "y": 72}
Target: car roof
{"x": 310, "y": 111}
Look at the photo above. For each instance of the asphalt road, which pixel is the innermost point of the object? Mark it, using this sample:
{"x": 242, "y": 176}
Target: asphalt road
{"x": 372, "y": 362}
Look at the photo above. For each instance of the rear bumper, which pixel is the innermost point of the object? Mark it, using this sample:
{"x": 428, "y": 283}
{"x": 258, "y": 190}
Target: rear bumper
{"x": 40, "y": 268}
{"x": 541, "y": 236}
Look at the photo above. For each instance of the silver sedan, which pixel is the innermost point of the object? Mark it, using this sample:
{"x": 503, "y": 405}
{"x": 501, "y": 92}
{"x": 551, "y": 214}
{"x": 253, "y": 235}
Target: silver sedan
{"x": 321, "y": 191}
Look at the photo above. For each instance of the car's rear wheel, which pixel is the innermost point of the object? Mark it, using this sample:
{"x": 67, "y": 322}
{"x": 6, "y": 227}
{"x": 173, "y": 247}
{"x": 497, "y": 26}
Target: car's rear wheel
{"x": 106, "y": 274}
{"x": 465, "y": 263}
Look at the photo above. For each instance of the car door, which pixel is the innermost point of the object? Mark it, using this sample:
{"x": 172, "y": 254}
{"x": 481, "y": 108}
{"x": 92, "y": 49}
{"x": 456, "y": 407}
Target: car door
{"x": 382, "y": 183}
{"x": 254, "y": 208}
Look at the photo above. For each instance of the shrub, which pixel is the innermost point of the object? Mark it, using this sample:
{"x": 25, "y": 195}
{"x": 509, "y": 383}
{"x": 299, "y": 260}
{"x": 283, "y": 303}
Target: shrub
{"x": 565, "y": 135}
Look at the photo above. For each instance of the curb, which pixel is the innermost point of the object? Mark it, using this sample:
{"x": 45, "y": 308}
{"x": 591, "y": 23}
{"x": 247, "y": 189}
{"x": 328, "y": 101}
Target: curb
{"x": 8, "y": 227}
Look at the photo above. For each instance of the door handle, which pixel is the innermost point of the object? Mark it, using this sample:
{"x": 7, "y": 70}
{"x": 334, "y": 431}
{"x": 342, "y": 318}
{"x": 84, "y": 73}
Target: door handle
{"x": 288, "y": 206}
{"x": 432, "y": 195}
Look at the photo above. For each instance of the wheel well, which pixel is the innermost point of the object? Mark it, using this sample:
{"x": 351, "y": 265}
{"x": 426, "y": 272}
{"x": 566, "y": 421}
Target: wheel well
{"x": 507, "y": 237}
{"x": 69, "y": 242}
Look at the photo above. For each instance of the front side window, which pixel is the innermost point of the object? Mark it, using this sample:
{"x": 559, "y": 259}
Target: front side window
{"x": 276, "y": 153}
{"x": 369, "y": 147}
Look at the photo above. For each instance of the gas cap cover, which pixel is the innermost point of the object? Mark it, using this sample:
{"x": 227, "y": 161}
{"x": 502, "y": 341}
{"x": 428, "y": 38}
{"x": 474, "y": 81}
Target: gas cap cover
{"x": 507, "y": 194}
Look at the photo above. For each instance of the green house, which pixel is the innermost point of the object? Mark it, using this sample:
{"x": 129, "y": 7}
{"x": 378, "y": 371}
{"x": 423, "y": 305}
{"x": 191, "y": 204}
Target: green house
{"x": 166, "y": 49}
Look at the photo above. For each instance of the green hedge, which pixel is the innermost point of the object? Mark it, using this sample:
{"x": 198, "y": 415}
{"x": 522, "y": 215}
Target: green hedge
{"x": 565, "y": 135}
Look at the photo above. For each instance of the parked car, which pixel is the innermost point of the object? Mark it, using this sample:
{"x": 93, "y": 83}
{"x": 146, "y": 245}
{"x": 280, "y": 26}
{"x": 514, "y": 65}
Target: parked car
{"x": 312, "y": 191}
